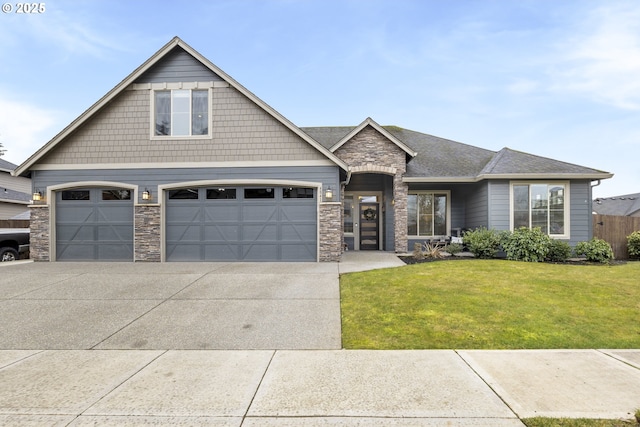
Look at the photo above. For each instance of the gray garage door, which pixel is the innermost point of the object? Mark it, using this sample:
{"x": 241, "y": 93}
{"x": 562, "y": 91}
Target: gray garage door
{"x": 241, "y": 224}
{"x": 94, "y": 225}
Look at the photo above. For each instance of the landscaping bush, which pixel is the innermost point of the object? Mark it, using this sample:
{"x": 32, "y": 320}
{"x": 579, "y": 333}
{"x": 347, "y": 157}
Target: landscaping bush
{"x": 595, "y": 250}
{"x": 483, "y": 243}
{"x": 453, "y": 248}
{"x": 559, "y": 251}
{"x": 633, "y": 244}
{"x": 526, "y": 244}
{"x": 432, "y": 250}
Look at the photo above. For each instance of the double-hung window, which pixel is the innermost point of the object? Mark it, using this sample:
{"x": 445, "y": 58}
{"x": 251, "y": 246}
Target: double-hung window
{"x": 428, "y": 214}
{"x": 541, "y": 205}
{"x": 181, "y": 112}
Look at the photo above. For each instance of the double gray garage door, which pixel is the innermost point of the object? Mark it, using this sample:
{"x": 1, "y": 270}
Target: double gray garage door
{"x": 201, "y": 224}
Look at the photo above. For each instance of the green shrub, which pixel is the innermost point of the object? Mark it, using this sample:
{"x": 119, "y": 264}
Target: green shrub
{"x": 595, "y": 250}
{"x": 453, "y": 248}
{"x": 633, "y": 244}
{"x": 526, "y": 244}
{"x": 559, "y": 251}
{"x": 483, "y": 243}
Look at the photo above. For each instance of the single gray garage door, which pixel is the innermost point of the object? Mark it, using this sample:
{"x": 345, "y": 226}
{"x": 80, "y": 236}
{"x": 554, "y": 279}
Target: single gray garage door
{"x": 241, "y": 224}
{"x": 94, "y": 225}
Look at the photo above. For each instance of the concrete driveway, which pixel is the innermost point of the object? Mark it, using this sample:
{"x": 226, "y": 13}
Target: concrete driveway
{"x": 228, "y": 306}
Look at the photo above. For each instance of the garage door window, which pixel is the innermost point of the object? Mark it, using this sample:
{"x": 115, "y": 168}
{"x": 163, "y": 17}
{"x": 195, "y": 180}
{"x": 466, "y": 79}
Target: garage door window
{"x": 259, "y": 193}
{"x": 76, "y": 195}
{"x": 297, "y": 193}
{"x": 221, "y": 193}
{"x": 184, "y": 194}
{"x": 116, "y": 194}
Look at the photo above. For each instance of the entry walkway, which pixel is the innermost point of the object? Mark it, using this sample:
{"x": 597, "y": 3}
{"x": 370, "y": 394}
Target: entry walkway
{"x": 353, "y": 261}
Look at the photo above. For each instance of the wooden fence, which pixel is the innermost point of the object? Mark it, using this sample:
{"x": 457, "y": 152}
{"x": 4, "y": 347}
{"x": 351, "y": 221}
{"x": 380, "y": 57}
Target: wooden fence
{"x": 14, "y": 223}
{"x": 614, "y": 230}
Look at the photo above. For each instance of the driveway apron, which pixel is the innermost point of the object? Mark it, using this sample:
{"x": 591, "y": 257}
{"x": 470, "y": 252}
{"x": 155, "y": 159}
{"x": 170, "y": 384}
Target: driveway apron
{"x": 220, "y": 306}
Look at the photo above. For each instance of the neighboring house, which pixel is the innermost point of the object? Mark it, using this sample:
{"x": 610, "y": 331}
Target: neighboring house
{"x": 179, "y": 162}
{"x": 15, "y": 192}
{"x": 627, "y": 205}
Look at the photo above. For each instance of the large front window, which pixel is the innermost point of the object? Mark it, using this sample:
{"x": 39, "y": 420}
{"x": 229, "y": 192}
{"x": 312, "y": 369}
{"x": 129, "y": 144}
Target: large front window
{"x": 427, "y": 214}
{"x": 540, "y": 205}
{"x": 181, "y": 112}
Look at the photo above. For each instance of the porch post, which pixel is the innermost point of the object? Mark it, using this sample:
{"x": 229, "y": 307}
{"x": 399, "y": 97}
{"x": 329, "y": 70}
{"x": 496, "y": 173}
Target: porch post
{"x": 400, "y": 194}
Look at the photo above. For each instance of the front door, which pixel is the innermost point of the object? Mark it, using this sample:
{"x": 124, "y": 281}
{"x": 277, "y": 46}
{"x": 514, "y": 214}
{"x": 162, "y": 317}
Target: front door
{"x": 369, "y": 235}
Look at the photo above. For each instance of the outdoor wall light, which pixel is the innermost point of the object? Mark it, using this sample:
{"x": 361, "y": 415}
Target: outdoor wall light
{"x": 328, "y": 194}
{"x": 37, "y": 195}
{"x": 146, "y": 194}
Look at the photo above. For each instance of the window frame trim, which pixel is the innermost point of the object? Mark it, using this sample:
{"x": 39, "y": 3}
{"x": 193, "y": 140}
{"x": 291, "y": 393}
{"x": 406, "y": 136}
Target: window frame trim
{"x": 180, "y": 86}
{"x": 567, "y": 205}
{"x": 447, "y": 193}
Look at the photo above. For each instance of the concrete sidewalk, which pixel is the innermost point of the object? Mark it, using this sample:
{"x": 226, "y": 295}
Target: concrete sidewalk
{"x": 314, "y": 388}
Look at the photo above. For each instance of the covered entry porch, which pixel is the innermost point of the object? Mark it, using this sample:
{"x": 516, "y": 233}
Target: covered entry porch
{"x": 370, "y": 213}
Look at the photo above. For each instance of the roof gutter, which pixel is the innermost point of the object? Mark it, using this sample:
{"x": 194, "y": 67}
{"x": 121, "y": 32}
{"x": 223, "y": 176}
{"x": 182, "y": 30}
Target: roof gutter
{"x": 537, "y": 176}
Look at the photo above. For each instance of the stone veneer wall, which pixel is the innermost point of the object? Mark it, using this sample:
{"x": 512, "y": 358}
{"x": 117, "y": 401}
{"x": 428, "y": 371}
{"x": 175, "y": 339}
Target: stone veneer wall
{"x": 40, "y": 239}
{"x": 147, "y": 240}
{"x": 370, "y": 152}
{"x": 330, "y": 231}
{"x": 400, "y": 196}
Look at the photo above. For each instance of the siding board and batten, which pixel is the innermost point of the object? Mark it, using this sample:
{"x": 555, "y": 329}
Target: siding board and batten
{"x": 178, "y": 66}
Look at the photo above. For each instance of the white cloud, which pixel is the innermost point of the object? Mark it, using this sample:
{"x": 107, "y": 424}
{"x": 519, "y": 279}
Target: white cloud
{"x": 64, "y": 30}
{"x": 24, "y": 129}
{"x": 603, "y": 60}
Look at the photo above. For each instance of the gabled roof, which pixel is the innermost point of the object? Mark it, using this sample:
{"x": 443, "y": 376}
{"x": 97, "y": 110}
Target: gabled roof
{"x": 625, "y": 205}
{"x": 131, "y": 78}
{"x": 370, "y": 122}
{"x": 443, "y": 160}
{"x": 510, "y": 163}
{"x": 6, "y": 166}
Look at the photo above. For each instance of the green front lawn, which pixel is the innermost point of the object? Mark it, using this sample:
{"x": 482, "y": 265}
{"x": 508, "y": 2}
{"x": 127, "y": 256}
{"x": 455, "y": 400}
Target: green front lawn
{"x": 576, "y": 422}
{"x": 492, "y": 304}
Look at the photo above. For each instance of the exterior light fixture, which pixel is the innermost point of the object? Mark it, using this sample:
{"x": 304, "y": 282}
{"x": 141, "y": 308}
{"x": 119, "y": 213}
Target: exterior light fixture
{"x": 328, "y": 194}
{"x": 37, "y": 195}
{"x": 146, "y": 194}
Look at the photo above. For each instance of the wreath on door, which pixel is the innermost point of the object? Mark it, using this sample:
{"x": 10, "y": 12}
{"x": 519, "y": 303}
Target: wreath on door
{"x": 369, "y": 214}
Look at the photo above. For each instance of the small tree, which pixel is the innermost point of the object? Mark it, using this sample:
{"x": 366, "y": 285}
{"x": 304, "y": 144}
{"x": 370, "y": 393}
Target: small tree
{"x": 2, "y": 150}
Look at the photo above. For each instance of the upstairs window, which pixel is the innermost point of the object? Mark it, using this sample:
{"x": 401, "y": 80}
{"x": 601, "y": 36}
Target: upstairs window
{"x": 181, "y": 112}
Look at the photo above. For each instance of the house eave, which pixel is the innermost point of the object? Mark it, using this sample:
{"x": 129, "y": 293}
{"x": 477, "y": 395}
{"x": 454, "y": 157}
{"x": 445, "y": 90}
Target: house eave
{"x": 547, "y": 176}
{"x": 432, "y": 179}
{"x": 509, "y": 176}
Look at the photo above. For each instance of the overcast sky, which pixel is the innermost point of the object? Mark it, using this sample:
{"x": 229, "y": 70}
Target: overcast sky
{"x": 555, "y": 78}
